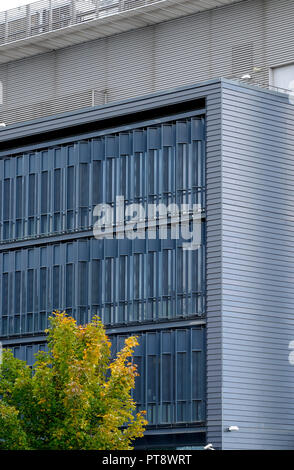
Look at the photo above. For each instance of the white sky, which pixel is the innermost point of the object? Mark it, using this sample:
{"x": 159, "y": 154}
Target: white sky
{"x": 7, "y": 4}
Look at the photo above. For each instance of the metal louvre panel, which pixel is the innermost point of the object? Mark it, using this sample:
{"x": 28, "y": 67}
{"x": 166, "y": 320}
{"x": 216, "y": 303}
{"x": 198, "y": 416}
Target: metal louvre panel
{"x": 52, "y": 106}
{"x": 181, "y": 49}
{"x": 258, "y": 268}
{"x": 214, "y": 268}
{"x": 163, "y": 359}
{"x": 27, "y": 352}
{"x": 279, "y": 32}
{"x": 130, "y": 65}
{"x": 53, "y": 192}
{"x": 81, "y": 68}
{"x": 127, "y": 161}
{"x": 37, "y": 81}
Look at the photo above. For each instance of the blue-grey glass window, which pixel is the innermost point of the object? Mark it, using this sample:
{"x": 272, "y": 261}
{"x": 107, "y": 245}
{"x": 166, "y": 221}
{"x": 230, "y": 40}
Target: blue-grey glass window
{"x": 5, "y": 294}
{"x": 97, "y": 182}
{"x": 122, "y": 277}
{"x": 108, "y": 279}
{"x": 171, "y": 384}
{"x": 43, "y": 288}
{"x": 96, "y": 282}
{"x": 57, "y": 200}
{"x": 17, "y": 285}
{"x": 32, "y": 203}
{"x": 6, "y": 208}
{"x": 44, "y": 201}
{"x": 123, "y": 176}
{"x": 109, "y": 180}
{"x": 84, "y": 194}
{"x": 69, "y": 285}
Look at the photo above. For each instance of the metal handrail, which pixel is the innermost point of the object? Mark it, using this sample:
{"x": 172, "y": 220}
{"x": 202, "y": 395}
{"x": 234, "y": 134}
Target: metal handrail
{"x": 50, "y": 15}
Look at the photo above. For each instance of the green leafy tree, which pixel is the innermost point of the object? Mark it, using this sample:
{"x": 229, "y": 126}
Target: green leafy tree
{"x": 75, "y": 397}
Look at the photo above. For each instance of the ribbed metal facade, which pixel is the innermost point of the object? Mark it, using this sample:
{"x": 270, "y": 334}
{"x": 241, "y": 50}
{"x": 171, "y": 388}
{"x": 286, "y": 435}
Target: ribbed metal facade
{"x": 151, "y": 287}
{"x": 119, "y": 280}
{"x": 247, "y": 37}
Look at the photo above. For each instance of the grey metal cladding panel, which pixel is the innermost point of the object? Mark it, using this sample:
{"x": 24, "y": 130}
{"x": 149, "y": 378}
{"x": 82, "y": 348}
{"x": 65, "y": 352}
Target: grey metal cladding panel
{"x": 27, "y": 352}
{"x": 130, "y": 64}
{"x": 220, "y": 42}
{"x": 30, "y": 81}
{"x": 258, "y": 268}
{"x": 120, "y": 65}
{"x": 213, "y": 270}
{"x": 79, "y": 166}
{"x": 71, "y": 64}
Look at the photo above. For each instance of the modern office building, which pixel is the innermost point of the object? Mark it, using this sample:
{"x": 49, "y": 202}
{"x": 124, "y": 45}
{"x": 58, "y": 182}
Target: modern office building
{"x": 161, "y": 102}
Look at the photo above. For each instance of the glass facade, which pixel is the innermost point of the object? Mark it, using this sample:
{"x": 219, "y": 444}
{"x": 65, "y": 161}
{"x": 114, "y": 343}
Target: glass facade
{"x": 122, "y": 281}
{"x": 50, "y": 259}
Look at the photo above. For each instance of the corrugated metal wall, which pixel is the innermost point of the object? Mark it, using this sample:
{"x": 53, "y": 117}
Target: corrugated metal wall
{"x": 257, "y": 268}
{"x": 221, "y": 42}
{"x": 212, "y": 93}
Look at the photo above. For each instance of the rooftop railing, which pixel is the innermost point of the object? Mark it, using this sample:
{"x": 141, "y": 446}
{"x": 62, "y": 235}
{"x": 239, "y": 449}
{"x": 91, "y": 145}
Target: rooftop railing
{"x": 50, "y": 15}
